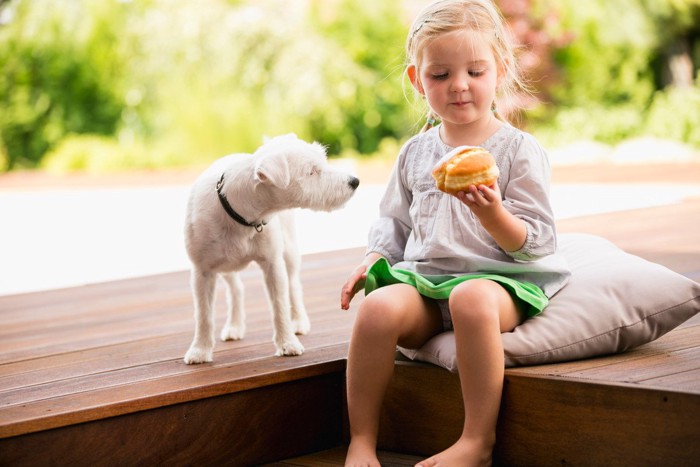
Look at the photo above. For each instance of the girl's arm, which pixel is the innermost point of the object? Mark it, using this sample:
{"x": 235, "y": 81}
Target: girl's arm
{"x": 508, "y": 231}
{"x": 390, "y": 232}
{"x": 388, "y": 235}
{"x": 520, "y": 219}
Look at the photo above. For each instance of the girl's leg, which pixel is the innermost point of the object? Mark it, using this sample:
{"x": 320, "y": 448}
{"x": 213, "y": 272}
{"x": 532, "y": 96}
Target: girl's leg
{"x": 391, "y": 315}
{"x": 481, "y": 310}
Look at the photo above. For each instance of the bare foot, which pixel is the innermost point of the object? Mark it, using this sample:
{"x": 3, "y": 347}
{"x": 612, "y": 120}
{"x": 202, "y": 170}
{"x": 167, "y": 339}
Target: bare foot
{"x": 361, "y": 455}
{"x": 465, "y": 452}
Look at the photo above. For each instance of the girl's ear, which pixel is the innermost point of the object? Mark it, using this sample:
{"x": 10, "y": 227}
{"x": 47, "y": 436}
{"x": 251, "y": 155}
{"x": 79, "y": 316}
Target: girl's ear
{"x": 412, "y": 72}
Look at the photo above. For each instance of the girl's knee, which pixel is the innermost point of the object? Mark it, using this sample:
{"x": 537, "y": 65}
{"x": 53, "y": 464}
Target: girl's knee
{"x": 381, "y": 310}
{"x": 476, "y": 300}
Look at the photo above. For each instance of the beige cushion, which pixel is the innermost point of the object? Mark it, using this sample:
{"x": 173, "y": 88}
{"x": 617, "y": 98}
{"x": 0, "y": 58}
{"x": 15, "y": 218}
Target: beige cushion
{"x": 614, "y": 301}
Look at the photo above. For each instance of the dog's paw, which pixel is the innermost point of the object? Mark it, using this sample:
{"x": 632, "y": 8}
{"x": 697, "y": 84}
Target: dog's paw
{"x": 289, "y": 348}
{"x": 302, "y": 325}
{"x": 233, "y": 333}
{"x": 198, "y": 355}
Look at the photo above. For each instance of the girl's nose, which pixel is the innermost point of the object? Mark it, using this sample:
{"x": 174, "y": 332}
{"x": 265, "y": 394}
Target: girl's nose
{"x": 460, "y": 83}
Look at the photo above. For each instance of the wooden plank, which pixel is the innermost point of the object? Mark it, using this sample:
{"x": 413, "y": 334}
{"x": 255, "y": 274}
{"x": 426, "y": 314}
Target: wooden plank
{"x": 423, "y": 411}
{"x": 651, "y": 364}
{"x": 336, "y": 456}
{"x": 150, "y": 350}
{"x": 651, "y": 367}
{"x": 546, "y": 421}
{"x": 667, "y": 235}
{"x": 124, "y": 355}
{"x": 242, "y": 428}
{"x": 181, "y": 386}
{"x": 27, "y": 393}
{"x": 688, "y": 380}
{"x": 132, "y": 345}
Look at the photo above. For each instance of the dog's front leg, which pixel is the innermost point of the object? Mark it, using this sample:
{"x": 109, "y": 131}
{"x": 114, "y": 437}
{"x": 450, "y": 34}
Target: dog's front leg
{"x": 277, "y": 283}
{"x": 202, "y": 347}
{"x": 300, "y": 319}
{"x": 292, "y": 258}
{"x": 234, "y": 329}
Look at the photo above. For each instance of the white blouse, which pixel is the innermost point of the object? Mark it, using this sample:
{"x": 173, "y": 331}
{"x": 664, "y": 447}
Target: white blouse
{"x": 427, "y": 231}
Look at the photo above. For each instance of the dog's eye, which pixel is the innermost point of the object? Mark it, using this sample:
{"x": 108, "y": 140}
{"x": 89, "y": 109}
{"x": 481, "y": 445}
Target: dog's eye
{"x": 314, "y": 171}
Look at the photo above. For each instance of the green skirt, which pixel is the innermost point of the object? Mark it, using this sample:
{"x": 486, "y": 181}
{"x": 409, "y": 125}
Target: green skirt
{"x": 381, "y": 274}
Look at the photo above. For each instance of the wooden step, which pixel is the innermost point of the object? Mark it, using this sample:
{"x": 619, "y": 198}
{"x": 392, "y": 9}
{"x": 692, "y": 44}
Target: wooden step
{"x": 94, "y": 375}
{"x": 336, "y": 457}
{"x": 637, "y": 408}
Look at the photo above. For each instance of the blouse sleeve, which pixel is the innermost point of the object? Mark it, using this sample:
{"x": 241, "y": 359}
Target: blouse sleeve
{"x": 389, "y": 234}
{"x": 527, "y": 197}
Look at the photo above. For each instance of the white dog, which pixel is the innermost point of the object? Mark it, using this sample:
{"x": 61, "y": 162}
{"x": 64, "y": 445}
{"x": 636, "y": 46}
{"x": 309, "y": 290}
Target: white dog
{"x": 238, "y": 212}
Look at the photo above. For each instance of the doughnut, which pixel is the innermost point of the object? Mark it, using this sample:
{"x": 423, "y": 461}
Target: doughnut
{"x": 465, "y": 166}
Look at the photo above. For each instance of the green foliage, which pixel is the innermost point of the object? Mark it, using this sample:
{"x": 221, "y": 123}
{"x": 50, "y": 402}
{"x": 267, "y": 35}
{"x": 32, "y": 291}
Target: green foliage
{"x": 613, "y": 86}
{"x": 199, "y": 79}
{"x": 105, "y": 84}
{"x": 54, "y": 79}
{"x": 607, "y": 58}
{"x": 592, "y": 122}
{"x": 94, "y": 154}
{"x": 260, "y": 71}
{"x": 675, "y": 114}
{"x": 372, "y": 36}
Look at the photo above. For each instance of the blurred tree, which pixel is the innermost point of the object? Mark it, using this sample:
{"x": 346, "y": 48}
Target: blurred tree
{"x": 677, "y": 58}
{"x": 536, "y": 43}
{"x": 372, "y": 35}
{"x": 181, "y": 82}
{"x": 213, "y": 78}
{"x": 620, "y": 57}
{"x": 60, "y": 74}
{"x": 608, "y": 59}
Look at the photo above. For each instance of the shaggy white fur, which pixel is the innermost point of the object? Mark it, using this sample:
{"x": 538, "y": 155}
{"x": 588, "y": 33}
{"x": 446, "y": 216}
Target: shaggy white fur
{"x": 261, "y": 189}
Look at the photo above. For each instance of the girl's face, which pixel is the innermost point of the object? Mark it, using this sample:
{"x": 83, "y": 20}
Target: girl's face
{"x": 457, "y": 74}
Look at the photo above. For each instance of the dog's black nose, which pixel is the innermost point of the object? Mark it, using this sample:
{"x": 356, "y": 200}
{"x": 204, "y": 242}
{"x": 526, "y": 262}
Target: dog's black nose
{"x": 354, "y": 182}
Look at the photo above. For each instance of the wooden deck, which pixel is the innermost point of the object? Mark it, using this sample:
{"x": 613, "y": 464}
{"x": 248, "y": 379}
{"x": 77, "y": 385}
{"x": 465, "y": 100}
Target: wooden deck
{"x": 94, "y": 376}
{"x": 100, "y": 352}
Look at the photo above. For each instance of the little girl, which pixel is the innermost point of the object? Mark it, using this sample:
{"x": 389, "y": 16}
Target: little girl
{"x": 493, "y": 245}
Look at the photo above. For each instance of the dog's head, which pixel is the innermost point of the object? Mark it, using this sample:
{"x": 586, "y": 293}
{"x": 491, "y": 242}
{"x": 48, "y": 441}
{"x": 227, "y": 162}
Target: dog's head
{"x": 272, "y": 166}
{"x": 299, "y": 175}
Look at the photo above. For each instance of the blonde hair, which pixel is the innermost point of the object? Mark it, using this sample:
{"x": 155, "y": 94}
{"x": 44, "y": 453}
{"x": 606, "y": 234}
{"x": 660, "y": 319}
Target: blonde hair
{"x": 445, "y": 16}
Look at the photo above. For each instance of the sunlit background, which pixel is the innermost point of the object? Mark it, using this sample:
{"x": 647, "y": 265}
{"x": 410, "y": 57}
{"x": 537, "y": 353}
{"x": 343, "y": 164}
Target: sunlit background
{"x": 103, "y": 87}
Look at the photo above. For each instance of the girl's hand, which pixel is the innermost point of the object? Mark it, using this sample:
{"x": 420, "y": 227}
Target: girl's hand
{"x": 356, "y": 281}
{"x": 481, "y": 199}
{"x": 354, "y": 284}
{"x": 485, "y": 202}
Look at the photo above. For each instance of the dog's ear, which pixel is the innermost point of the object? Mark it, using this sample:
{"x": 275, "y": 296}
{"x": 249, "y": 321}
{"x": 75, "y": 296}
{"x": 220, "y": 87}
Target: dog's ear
{"x": 272, "y": 169}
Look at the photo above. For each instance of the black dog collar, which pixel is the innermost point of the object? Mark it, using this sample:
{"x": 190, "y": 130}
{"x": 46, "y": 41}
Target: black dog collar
{"x": 231, "y": 212}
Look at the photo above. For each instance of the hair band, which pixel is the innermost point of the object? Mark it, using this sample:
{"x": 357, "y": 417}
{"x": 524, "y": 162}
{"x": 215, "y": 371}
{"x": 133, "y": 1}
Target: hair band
{"x": 418, "y": 28}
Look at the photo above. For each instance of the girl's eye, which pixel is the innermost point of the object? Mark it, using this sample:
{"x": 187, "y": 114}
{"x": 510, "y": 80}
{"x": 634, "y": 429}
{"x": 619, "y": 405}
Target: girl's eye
{"x": 476, "y": 74}
{"x": 440, "y": 76}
